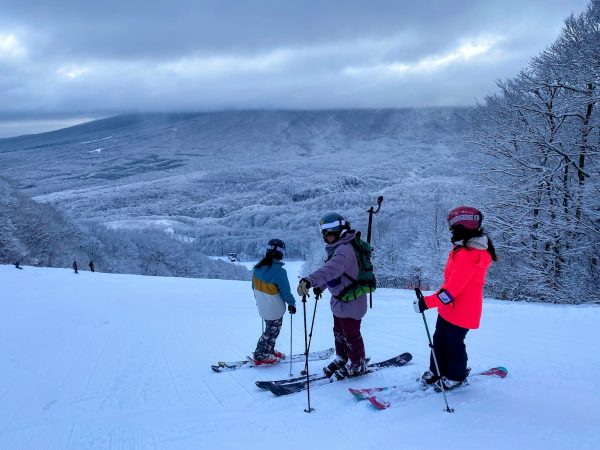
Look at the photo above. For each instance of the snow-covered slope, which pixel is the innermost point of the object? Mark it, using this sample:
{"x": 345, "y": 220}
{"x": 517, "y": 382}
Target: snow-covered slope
{"x": 97, "y": 361}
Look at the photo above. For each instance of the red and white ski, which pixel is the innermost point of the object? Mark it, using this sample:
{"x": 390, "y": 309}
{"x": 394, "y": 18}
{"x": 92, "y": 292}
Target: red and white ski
{"x": 382, "y": 397}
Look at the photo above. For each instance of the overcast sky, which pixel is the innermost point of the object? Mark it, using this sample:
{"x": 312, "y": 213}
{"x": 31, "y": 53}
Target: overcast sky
{"x": 67, "y": 60}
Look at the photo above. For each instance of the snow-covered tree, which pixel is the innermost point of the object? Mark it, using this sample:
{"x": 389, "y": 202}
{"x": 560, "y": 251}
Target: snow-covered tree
{"x": 541, "y": 138}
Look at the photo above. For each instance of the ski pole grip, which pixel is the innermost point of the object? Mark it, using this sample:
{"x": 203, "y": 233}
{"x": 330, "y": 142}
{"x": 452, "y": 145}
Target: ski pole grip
{"x": 419, "y": 294}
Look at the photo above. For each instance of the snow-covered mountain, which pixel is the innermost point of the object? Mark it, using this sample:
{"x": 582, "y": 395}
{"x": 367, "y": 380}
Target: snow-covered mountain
{"x": 227, "y": 181}
{"x": 99, "y": 361}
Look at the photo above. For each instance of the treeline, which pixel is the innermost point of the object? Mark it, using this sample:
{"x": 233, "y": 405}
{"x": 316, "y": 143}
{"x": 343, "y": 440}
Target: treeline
{"x": 540, "y": 135}
{"x": 37, "y": 234}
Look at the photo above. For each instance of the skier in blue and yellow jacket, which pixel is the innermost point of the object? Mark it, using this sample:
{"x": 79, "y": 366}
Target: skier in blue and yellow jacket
{"x": 272, "y": 292}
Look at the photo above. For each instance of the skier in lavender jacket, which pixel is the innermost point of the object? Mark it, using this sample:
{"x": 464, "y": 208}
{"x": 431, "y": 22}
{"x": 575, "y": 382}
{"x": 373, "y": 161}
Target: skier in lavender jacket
{"x": 341, "y": 264}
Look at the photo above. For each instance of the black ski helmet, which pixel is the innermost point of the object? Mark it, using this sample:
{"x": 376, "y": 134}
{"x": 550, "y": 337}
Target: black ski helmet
{"x": 333, "y": 223}
{"x": 276, "y": 247}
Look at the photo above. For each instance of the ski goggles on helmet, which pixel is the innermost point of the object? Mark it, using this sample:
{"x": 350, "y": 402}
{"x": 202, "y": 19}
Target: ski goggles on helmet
{"x": 275, "y": 248}
{"x": 332, "y": 227}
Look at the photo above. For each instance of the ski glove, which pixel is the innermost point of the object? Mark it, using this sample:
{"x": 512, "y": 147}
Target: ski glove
{"x": 419, "y": 302}
{"x": 303, "y": 287}
{"x": 318, "y": 293}
{"x": 292, "y": 309}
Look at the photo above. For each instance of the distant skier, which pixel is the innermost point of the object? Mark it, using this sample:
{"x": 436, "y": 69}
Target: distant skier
{"x": 460, "y": 299}
{"x": 18, "y": 265}
{"x": 74, "y": 265}
{"x": 91, "y": 266}
{"x": 272, "y": 292}
{"x": 337, "y": 274}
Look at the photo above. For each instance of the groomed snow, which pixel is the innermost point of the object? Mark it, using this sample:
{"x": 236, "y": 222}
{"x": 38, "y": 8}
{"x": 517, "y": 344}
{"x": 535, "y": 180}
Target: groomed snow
{"x": 98, "y": 361}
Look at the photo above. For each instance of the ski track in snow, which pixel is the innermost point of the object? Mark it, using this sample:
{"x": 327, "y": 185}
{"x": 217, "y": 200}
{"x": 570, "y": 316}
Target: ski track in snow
{"x": 116, "y": 362}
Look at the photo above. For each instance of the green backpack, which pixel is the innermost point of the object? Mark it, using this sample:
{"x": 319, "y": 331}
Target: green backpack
{"x": 365, "y": 282}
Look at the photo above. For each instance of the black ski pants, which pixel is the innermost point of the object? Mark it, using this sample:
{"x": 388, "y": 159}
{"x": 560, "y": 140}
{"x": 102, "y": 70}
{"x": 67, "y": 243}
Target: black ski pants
{"x": 266, "y": 343}
{"x": 450, "y": 350}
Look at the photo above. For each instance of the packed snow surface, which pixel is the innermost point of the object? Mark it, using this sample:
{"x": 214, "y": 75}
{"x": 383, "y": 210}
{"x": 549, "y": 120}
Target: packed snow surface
{"x": 98, "y": 361}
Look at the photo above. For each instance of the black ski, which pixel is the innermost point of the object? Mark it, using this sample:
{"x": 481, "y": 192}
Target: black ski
{"x": 292, "y": 387}
{"x": 266, "y": 385}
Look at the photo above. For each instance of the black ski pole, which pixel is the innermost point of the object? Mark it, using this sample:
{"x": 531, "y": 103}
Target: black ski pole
{"x": 372, "y": 211}
{"x": 437, "y": 367}
{"x": 309, "y": 409}
{"x": 291, "y": 336}
{"x": 312, "y": 325}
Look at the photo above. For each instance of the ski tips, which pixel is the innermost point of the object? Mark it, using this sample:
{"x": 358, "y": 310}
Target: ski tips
{"x": 379, "y": 403}
{"x": 363, "y": 394}
{"x": 406, "y": 357}
{"x": 499, "y": 371}
{"x": 358, "y": 393}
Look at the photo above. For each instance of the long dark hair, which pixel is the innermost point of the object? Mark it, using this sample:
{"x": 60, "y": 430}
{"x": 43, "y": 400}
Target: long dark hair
{"x": 266, "y": 261}
{"x": 491, "y": 249}
{"x": 461, "y": 233}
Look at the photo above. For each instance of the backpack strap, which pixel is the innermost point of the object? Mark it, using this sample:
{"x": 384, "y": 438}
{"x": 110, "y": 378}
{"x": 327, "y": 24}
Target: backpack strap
{"x": 354, "y": 280}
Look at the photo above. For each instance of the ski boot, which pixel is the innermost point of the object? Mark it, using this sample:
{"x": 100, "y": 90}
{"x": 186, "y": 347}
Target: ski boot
{"x": 428, "y": 378}
{"x": 357, "y": 369}
{"x": 450, "y": 384}
{"x": 278, "y": 354}
{"x": 267, "y": 360}
{"x": 334, "y": 366}
{"x": 341, "y": 373}
{"x": 353, "y": 370}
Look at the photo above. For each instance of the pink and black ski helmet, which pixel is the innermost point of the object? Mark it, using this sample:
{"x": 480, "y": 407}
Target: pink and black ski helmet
{"x": 467, "y": 216}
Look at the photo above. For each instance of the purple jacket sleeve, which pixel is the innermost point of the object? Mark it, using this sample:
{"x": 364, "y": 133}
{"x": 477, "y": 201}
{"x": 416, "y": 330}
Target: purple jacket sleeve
{"x": 332, "y": 269}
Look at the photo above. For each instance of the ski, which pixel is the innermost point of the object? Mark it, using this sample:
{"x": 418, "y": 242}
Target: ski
{"x": 223, "y": 366}
{"x": 364, "y": 394}
{"x": 266, "y": 385}
{"x": 378, "y": 397}
{"x": 321, "y": 379}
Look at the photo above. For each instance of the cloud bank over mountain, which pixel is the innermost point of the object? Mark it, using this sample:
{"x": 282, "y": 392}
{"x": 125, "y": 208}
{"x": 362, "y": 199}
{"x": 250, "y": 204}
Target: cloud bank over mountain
{"x": 69, "y": 58}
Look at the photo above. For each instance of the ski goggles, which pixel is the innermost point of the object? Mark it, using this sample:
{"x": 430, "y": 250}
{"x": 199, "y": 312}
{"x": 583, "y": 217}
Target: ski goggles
{"x": 276, "y": 249}
{"x": 332, "y": 227}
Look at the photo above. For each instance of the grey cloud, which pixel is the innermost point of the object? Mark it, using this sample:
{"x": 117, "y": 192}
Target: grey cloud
{"x": 195, "y": 55}
{"x": 144, "y": 29}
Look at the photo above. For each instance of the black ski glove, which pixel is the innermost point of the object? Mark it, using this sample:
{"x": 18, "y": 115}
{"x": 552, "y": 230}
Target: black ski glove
{"x": 303, "y": 287}
{"x": 292, "y": 309}
{"x": 318, "y": 293}
{"x": 419, "y": 302}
